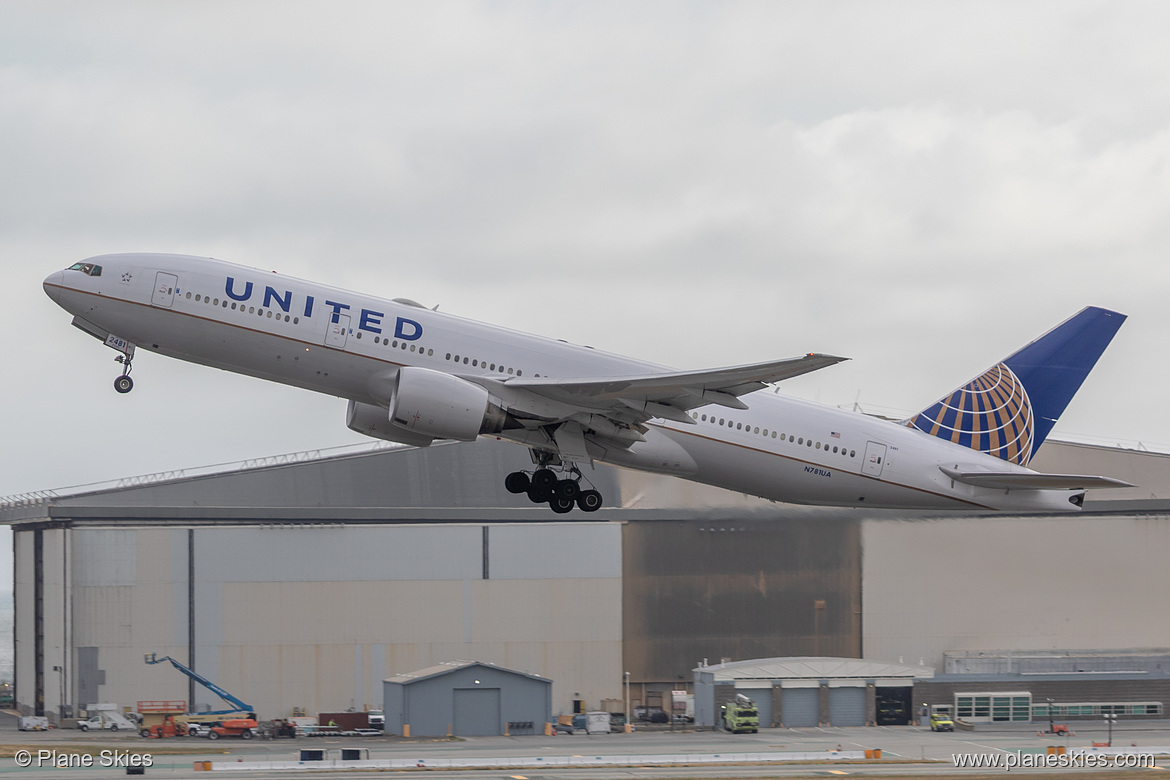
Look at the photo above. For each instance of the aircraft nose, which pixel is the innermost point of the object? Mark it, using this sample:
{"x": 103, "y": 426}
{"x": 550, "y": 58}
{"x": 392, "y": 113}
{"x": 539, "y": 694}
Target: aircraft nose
{"x": 52, "y": 285}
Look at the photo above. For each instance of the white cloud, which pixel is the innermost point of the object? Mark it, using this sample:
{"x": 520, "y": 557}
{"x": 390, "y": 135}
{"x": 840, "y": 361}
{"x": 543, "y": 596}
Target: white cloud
{"x": 922, "y": 186}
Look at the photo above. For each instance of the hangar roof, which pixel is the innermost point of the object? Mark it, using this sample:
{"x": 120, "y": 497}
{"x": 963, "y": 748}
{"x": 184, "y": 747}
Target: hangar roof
{"x": 450, "y": 482}
{"x": 805, "y": 668}
{"x": 447, "y": 667}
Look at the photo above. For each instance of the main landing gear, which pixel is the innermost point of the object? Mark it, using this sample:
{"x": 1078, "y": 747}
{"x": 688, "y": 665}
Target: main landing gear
{"x": 560, "y": 493}
{"x": 124, "y": 384}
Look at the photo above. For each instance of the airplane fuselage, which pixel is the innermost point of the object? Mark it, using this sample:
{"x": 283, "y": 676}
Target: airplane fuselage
{"x": 350, "y": 345}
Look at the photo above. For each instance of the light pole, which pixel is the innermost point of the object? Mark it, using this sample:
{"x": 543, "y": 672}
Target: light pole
{"x": 629, "y": 715}
{"x": 60, "y": 670}
{"x": 1051, "y": 726}
{"x": 1110, "y": 719}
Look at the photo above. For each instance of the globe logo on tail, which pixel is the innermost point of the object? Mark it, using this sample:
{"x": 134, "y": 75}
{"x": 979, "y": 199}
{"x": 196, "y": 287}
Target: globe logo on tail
{"x": 991, "y": 413}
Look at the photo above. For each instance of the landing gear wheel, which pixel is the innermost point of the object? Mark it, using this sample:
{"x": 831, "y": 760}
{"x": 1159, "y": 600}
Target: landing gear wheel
{"x": 517, "y": 482}
{"x": 589, "y": 500}
{"x": 561, "y": 505}
{"x": 544, "y": 478}
{"x": 123, "y": 384}
{"x": 538, "y": 494}
{"x": 567, "y": 488}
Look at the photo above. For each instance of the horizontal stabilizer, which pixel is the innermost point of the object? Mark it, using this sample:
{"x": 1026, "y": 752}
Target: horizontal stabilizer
{"x": 1022, "y": 480}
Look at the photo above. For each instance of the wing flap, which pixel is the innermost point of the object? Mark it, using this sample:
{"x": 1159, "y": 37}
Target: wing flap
{"x": 1018, "y": 480}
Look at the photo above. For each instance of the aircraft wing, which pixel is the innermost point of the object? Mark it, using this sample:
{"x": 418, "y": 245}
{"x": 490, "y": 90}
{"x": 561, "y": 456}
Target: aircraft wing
{"x": 669, "y": 395}
{"x": 1015, "y": 480}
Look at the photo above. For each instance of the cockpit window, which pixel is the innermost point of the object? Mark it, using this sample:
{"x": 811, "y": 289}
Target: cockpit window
{"x": 89, "y": 269}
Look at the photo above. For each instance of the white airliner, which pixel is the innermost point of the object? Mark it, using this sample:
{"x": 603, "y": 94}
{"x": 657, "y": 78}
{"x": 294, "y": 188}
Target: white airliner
{"x": 414, "y": 375}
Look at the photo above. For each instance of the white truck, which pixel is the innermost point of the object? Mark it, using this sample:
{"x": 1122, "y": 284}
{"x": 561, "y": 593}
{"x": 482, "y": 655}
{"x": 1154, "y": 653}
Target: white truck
{"x": 107, "y": 719}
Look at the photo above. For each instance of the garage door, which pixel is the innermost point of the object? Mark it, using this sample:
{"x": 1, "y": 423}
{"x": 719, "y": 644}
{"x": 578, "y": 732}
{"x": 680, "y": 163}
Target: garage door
{"x": 847, "y": 706}
{"x": 477, "y": 712}
{"x": 763, "y": 699}
{"x": 801, "y": 706}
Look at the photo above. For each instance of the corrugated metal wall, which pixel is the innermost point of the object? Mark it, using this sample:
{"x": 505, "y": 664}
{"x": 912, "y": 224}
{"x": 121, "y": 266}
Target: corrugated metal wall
{"x": 751, "y": 588}
{"x": 319, "y": 617}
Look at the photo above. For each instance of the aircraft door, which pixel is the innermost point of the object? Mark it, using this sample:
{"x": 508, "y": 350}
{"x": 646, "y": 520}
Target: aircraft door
{"x": 338, "y": 331}
{"x": 875, "y": 459}
{"x": 164, "y": 290}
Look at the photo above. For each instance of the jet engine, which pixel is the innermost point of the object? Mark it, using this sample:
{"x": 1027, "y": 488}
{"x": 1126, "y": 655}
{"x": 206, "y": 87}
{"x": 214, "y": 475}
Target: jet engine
{"x": 426, "y": 405}
{"x": 374, "y": 421}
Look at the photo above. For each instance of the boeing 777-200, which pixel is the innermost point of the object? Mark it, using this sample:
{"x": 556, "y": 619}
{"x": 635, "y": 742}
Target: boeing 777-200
{"x": 413, "y": 375}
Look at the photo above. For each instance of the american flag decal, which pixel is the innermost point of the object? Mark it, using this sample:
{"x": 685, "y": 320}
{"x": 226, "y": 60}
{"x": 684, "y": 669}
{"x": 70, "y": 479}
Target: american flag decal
{"x": 991, "y": 413}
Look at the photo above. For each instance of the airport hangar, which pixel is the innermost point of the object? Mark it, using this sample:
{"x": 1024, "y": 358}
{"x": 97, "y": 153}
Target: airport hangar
{"x": 302, "y": 582}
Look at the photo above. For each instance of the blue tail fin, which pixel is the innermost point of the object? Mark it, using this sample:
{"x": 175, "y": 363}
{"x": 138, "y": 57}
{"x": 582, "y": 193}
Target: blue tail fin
{"x": 1009, "y": 410}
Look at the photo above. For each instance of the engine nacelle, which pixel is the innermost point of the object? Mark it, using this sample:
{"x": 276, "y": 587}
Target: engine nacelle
{"x": 430, "y": 403}
{"x": 374, "y": 421}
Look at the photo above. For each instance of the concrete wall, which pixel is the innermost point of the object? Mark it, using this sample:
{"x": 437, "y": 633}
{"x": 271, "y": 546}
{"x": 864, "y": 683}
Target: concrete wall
{"x": 1021, "y": 583}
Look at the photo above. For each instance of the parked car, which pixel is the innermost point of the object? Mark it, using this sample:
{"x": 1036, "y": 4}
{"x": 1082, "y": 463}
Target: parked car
{"x": 941, "y": 721}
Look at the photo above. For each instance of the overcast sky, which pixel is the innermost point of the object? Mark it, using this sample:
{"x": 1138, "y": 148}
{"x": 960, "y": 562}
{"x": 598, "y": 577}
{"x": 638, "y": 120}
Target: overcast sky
{"x": 921, "y": 186}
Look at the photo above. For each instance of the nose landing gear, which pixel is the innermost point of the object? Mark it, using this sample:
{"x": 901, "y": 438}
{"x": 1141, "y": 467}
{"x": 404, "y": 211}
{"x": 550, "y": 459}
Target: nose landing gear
{"x": 124, "y": 384}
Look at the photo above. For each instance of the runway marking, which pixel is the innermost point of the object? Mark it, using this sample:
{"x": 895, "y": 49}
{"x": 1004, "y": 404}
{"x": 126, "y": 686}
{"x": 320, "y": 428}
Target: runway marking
{"x": 518, "y": 777}
{"x": 837, "y": 772}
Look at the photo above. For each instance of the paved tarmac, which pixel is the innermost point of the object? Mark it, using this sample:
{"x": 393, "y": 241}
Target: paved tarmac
{"x": 906, "y": 751}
